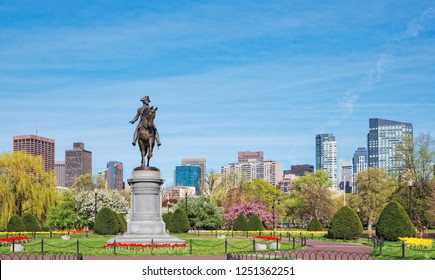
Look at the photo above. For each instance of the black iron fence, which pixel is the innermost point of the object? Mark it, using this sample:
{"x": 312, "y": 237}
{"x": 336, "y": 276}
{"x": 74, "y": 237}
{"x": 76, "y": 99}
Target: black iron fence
{"x": 298, "y": 255}
{"x": 48, "y": 255}
{"x": 378, "y": 247}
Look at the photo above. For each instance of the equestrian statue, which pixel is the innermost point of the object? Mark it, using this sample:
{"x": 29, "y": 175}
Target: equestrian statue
{"x": 146, "y": 133}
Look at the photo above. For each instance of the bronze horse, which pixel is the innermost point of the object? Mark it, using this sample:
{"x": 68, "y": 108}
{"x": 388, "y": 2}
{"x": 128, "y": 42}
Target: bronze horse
{"x": 147, "y": 137}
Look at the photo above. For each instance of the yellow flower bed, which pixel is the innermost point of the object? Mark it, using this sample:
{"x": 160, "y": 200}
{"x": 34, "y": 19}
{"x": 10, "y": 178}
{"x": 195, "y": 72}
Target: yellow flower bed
{"x": 417, "y": 242}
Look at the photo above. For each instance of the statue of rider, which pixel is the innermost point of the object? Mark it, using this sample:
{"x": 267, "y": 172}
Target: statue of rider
{"x": 142, "y": 113}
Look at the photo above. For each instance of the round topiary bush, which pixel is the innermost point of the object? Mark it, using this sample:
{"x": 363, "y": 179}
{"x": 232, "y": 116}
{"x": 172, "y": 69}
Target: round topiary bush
{"x": 394, "y": 223}
{"x": 16, "y": 224}
{"x": 122, "y": 223}
{"x": 255, "y": 223}
{"x": 31, "y": 223}
{"x": 167, "y": 218}
{"x": 240, "y": 223}
{"x": 179, "y": 222}
{"x": 314, "y": 225}
{"x": 345, "y": 224}
{"x": 106, "y": 222}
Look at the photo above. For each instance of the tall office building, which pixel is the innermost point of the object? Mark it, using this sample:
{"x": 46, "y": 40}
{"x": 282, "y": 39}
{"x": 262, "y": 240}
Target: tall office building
{"x": 360, "y": 160}
{"x": 36, "y": 146}
{"x": 188, "y": 176}
{"x": 326, "y": 156}
{"x": 114, "y": 175}
{"x": 299, "y": 170}
{"x": 346, "y": 176}
{"x": 382, "y": 140}
{"x": 246, "y": 156}
{"x": 78, "y": 162}
{"x": 201, "y": 162}
{"x": 269, "y": 170}
{"x": 59, "y": 172}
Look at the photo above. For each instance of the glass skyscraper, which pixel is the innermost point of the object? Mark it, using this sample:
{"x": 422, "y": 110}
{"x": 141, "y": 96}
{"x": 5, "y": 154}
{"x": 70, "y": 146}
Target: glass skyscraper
{"x": 382, "y": 140}
{"x": 326, "y": 156}
{"x": 188, "y": 176}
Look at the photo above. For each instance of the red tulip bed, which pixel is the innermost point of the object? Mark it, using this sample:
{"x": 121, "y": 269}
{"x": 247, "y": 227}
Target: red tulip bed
{"x": 16, "y": 239}
{"x": 267, "y": 239}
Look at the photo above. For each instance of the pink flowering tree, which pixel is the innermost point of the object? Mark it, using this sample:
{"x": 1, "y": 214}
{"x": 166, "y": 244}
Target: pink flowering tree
{"x": 247, "y": 208}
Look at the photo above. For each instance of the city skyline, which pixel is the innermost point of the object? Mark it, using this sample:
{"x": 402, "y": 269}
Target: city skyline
{"x": 268, "y": 79}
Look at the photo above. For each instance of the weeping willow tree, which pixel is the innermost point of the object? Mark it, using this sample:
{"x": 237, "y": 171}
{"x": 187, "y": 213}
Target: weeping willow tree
{"x": 25, "y": 187}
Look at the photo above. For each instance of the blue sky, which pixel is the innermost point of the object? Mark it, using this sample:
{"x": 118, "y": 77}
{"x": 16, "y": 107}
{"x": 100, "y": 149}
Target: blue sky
{"x": 227, "y": 76}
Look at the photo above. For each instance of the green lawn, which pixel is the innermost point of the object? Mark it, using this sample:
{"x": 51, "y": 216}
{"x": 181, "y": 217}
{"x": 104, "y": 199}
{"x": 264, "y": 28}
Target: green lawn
{"x": 393, "y": 251}
{"x": 207, "y": 244}
{"x": 93, "y": 246}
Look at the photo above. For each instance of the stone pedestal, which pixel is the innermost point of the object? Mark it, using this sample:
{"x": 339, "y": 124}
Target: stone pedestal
{"x": 146, "y": 225}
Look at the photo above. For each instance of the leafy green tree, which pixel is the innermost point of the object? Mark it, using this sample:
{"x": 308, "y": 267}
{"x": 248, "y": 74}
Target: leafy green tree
{"x": 314, "y": 225}
{"x": 226, "y": 189}
{"x": 345, "y": 224}
{"x": 179, "y": 222}
{"x": 25, "y": 187}
{"x": 106, "y": 222}
{"x": 295, "y": 207}
{"x": 87, "y": 182}
{"x": 62, "y": 217}
{"x": 31, "y": 222}
{"x": 317, "y": 195}
{"x": 65, "y": 215}
{"x": 394, "y": 223}
{"x": 255, "y": 223}
{"x": 16, "y": 224}
{"x": 415, "y": 182}
{"x": 260, "y": 190}
{"x": 203, "y": 213}
{"x": 240, "y": 223}
{"x": 374, "y": 189}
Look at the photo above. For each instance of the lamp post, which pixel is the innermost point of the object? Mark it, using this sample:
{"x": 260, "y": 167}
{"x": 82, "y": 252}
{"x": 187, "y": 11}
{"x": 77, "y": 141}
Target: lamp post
{"x": 96, "y": 194}
{"x": 273, "y": 213}
{"x": 185, "y": 200}
{"x": 410, "y": 183}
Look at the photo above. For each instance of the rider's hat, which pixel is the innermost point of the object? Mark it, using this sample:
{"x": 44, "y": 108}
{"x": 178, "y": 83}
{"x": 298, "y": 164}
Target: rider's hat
{"x": 145, "y": 98}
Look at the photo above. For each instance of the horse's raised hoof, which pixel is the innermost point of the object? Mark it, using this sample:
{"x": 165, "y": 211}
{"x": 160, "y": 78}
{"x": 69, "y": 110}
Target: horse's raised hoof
{"x": 133, "y": 143}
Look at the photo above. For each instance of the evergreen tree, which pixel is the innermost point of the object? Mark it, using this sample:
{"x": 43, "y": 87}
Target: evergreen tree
{"x": 106, "y": 222}
{"x": 167, "y": 218}
{"x": 345, "y": 224}
{"x": 122, "y": 223}
{"x": 179, "y": 222}
{"x": 314, "y": 225}
{"x": 16, "y": 224}
{"x": 240, "y": 223}
{"x": 394, "y": 223}
{"x": 31, "y": 223}
{"x": 255, "y": 223}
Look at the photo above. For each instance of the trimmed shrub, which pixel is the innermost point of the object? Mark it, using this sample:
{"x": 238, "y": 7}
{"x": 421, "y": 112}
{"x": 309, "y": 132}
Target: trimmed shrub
{"x": 394, "y": 222}
{"x": 240, "y": 223}
{"x": 255, "y": 223}
{"x": 314, "y": 225}
{"x": 345, "y": 224}
{"x": 122, "y": 223}
{"x": 179, "y": 222}
{"x": 31, "y": 223}
{"x": 106, "y": 222}
{"x": 167, "y": 218}
{"x": 16, "y": 224}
